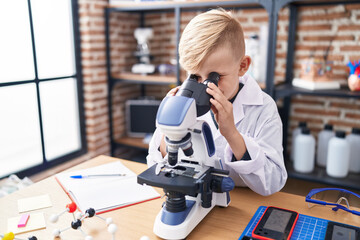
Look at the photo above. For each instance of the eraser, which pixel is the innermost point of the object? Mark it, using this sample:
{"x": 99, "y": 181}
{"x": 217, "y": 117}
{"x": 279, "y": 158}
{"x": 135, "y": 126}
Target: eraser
{"x": 23, "y": 220}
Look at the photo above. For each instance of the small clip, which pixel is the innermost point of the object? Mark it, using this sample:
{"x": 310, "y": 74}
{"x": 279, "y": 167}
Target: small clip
{"x": 158, "y": 168}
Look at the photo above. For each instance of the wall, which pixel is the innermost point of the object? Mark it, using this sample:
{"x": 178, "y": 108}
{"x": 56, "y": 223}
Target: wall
{"x": 92, "y": 34}
{"x": 317, "y": 25}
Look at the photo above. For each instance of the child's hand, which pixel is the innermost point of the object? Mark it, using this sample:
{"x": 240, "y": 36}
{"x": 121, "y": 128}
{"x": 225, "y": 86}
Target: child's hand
{"x": 223, "y": 110}
{"x": 172, "y": 92}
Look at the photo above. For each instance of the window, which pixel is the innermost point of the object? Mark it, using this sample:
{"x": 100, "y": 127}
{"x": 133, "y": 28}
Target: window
{"x": 41, "y": 102}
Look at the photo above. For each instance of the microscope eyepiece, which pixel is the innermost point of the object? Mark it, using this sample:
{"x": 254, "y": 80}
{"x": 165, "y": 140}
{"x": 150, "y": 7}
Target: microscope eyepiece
{"x": 191, "y": 88}
{"x": 193, "y": 77}
{"x": 213, "y": 77}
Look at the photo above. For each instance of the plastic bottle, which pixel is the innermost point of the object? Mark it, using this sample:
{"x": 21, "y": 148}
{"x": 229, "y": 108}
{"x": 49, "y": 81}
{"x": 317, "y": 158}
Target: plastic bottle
{"x": 263, "y": 50}
{"x": 304, "y": 154}
{"x": 295, "y": 132}
{"x": 323, "y": 142}
{"x": 337, "y": 164}
{"x": 252, "y": 45}
{"x": 354, "y": 143}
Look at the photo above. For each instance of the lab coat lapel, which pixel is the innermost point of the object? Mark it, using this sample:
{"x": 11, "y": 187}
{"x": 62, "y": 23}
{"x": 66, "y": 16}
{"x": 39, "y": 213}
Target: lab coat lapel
{"x": 238, "y": 110}
{"x": 250, "y": 94}
{"x": 238, "y": 113}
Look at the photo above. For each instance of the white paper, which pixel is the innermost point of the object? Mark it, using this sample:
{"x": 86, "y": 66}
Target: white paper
{"x": 34, "y": 203}
{"x": 36, "y": 221}
{"x": 105, "y": 193}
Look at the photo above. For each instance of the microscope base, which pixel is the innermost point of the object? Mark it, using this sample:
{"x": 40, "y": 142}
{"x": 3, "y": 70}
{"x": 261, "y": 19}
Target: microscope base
{"x": 196, "y": 214}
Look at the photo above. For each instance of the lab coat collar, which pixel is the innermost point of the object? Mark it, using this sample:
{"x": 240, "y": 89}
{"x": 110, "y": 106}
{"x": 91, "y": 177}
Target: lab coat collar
{"x": 250, "y": 94}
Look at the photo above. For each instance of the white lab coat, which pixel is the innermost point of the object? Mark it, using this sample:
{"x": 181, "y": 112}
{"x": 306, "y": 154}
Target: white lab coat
{"x": 257, "y": 119}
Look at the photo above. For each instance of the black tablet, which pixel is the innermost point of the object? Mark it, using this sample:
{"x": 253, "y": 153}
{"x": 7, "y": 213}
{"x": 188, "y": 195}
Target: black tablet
{"x": 276, "y": 223}
{"x": 339, "y": 231}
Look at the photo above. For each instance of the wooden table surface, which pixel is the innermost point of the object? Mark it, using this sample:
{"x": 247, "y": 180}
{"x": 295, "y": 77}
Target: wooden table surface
{"x": 137, "y": 220}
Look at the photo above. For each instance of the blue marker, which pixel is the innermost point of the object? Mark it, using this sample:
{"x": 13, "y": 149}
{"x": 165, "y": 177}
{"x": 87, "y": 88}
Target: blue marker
{"x": 98, "y": 175}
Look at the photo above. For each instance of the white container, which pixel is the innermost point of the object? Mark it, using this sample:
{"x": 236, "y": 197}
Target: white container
{"x": 295, "y": 133}
{"x": 338, "y": 156}
{"x": 354, "y": 143}
{"x": 304, "y": 154}
{"x": 323, "y": 143}
{"x": 252, "y": 45}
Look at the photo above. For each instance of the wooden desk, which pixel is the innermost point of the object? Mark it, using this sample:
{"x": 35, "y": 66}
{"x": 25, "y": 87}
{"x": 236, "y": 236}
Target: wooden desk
{"x": 136, "y": 221}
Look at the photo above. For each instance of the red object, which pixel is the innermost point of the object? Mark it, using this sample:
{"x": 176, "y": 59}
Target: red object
{"x": 72, "y": 207}
{"x": 357, "y": 71}
{"x": 291, "y": 230}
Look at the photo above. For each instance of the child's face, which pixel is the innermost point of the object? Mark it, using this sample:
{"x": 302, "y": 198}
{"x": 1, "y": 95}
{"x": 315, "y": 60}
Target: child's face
{"x": 222, "y": 62}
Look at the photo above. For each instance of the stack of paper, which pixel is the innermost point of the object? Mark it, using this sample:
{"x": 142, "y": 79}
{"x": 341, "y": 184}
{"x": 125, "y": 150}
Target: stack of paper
{"x": 315, "y": 85}
{"x": 105, "y": 193}
{"x": 36, "y": 222}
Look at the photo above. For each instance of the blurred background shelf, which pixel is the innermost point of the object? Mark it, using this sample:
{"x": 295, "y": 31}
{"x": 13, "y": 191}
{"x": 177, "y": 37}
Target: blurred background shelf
{"x": 319, "y": 175}
{"x": 169, "y": 5}
{"x": 149, "y": 79}
{"x": 132, "y": 141}
{"x": 174, "y": 9}
{"x": 287, "y": 90}
{"x": 284, "y": 92}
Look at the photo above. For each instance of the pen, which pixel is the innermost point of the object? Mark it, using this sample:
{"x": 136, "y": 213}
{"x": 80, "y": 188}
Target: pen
{"x": 98, "y": 175}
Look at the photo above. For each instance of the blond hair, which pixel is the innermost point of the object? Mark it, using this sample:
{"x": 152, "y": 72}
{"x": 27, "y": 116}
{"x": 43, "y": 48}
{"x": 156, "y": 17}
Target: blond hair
{"x": 205, "y": 33}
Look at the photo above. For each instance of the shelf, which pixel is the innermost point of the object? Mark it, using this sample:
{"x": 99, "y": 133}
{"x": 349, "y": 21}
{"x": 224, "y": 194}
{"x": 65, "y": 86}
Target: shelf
{"x": 132, "y": 142}
{"x": 318, "y": 2}
{"x": 287, "y": 90}
{"x": 167, "y": 5}
{"x": 273, "y": 88}
{"x": 138, "y": 78}
{"x": 319, "y": 175}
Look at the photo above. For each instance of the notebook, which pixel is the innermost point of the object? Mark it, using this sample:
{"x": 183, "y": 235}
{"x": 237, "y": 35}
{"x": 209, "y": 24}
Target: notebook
{"x": 105, "y": 193}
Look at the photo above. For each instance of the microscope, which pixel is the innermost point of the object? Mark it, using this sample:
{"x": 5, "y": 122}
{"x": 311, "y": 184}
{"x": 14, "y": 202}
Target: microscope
{"x": 191, "y": 174}
{"x": 142, "y": 53}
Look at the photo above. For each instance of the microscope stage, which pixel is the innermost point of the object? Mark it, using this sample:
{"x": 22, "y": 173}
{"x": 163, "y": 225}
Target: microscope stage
{"x": 172, "y": 180}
